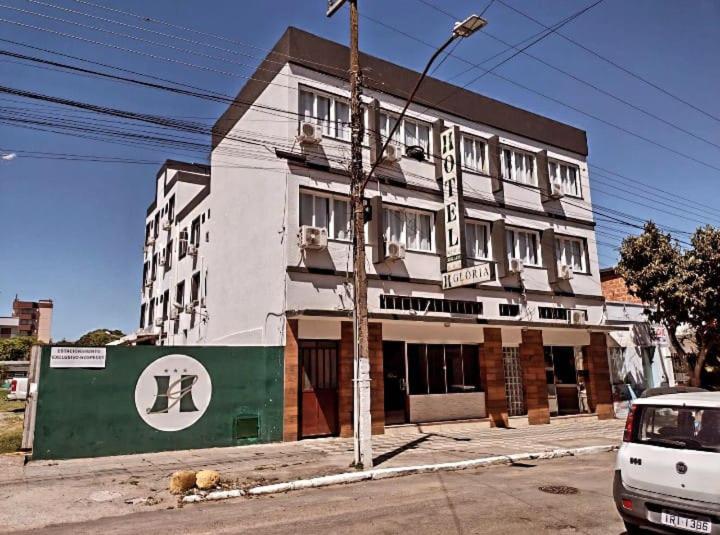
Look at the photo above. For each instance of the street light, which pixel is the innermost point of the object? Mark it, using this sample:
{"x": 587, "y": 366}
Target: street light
{"x": 460, "y": 30}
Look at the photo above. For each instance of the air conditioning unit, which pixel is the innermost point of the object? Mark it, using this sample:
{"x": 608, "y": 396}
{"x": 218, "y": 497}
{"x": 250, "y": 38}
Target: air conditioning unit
{"x": 166, "y": 224}
{"x": 150, "y": 241}
{"x": 556, "y": 190}
{"x": 576, "y": 317}
{"x": 392, "y": 153}
{"x": 158, "y": 322}
{"x": 516, "y": 265}
{"x": 173, "y": 314}
{"x": 312, "y": 237}
{"x": 192, "y": 250}
{"x": 189, "y": 308}
{"x": 565, "y": 272}
{"x": 310, "y": 133}
{"x": 395, "y": 251}
{"x": 161, "y": 261}
{"x": 149, "y": 283}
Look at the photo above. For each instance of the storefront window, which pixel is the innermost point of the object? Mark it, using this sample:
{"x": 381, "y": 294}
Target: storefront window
{"x": 443, "y": 369}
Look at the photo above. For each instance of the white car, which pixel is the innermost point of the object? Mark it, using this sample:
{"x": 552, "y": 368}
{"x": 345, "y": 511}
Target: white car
{"x": 667, "y": 475}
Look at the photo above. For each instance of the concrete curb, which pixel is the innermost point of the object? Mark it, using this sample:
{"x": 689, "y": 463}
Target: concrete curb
{"x": 381, "y": 473}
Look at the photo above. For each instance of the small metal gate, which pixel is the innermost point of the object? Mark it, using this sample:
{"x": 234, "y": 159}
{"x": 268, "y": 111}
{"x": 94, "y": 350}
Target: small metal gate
{"x": 513, "y": 381}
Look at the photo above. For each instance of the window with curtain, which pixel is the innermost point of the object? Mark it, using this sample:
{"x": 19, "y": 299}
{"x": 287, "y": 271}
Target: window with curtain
{"x": 413, "y": 228}
{"x": 331, "y": 113}
{"x": 524, "y": 244}
{"x": 473, "y": 154}
{"x": 326, "y": 211}
{"x": 518, "y": 166}
{"x": 568, "y": 176}
{"x": 409, "y": 132}
{"x": 477, "y": 236}
{"x": 571, "y": 252}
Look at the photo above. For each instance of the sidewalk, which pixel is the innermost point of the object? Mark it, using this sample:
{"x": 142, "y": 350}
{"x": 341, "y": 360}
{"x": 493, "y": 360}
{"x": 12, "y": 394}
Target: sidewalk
{"x": 47, "y": 492}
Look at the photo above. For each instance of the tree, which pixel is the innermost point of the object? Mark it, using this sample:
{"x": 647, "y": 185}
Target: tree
{"x": 16, "y": 348}
{"x": 683, "y": 286}
{"x": 98, "y": 337}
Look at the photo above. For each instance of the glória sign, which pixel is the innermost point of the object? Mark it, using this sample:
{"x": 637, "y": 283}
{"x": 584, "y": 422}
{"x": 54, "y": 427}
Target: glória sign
{"x": 466, "y": 276}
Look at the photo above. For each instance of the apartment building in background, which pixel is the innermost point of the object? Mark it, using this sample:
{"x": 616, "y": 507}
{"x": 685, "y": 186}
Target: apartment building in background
{"x": 33, "y": 318}
{"x": 9, "y": 326}
{"x": 484, "y": 298}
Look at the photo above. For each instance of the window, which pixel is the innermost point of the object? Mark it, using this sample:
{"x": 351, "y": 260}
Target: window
{"x": 443, "y": 369}
{"x": 195, "y": 232}
{"x": 414, "y": 229}
{"x": 195, "y": 288}
{"x": 183, "y": 244}
{"x": 151, "y": 312}
{"x": 473, "y": 154}
{"x": 153, "y": 271}
{"x": 156, "y": 225}
{"x": 330, "y": 212}
{"x": 553, "y": 313}
{"x": 171, "y": 209}
{"x": 571, "y": 252}
{"x": 168, "y": 255}
{"x": 180, "y": 293}
{"x": 142, "y": 315}
{"x": 518, "y": 166}
{"x": 409, "y": 132}
{"x": 146, "y": 269}
{"x": 431, "y": 304}
{"x": 567, "y": 175}
{"x": 166, "y": 304}
{"x": 509, "y": 310}
{"x": 524, "y": 244}
{"x": 330, "y": 113}
{"x": 477, "y": 236}
{"x": 691, "y": 428}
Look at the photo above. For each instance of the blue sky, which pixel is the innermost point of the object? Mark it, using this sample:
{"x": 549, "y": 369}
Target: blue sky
{"x": 73, "y": 230}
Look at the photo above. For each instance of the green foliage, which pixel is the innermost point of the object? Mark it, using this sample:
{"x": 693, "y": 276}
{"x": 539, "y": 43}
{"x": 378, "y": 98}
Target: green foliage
{"x": 98, "y": 337}
{"x": 17, "y": 348}
{"x": 682, "y": 285}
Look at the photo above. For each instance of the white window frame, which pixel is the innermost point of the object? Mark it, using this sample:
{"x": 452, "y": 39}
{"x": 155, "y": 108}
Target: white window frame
{"x": 577, "y": 191}
{"x": 476, "y": 141}
{"x": 332, "y": 128}
{"x": 405, "y": 212}
{"x": 399, "y": 136}
{"x": 488, "y": 238}
{"x": 331, "y": 212}
{"x": 512, "y": 174}
{"x": 515, "y": 253}
{"x": 560, "y": 242}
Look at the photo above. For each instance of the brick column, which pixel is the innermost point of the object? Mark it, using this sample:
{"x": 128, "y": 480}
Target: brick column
{"x": 291, "y": 421}
{"x": 599, "y": 390}
{"x": 345, "y": 380}
{"x": 493, "y": 377}
{"x": 377, "y": 386}
{"x": 532, "y": 358}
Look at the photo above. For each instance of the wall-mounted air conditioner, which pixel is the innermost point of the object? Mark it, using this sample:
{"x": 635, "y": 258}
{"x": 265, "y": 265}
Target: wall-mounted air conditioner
{"x": 565, "y": 272}
{"x": 173, "y": 314}
{"x": 150, "y": 241}
{"x": 577, "y": 317}
{"x": 192, "y": 250}
{"x": 158, "y": 322}
{"x": 516, "y": 265}
{"x": 309, "y": 133}
{"x": 161, "y": 261}
{"x": 314, "y": 238}
{"x": 166, "y": 224}
{"x": 189, "y": 308}
{"x": 395, "y": 251}
{"x": 556, "y": 189}
{"x": 392, "y": 153}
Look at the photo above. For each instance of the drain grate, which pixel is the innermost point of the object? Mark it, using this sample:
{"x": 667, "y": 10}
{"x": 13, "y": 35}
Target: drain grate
{"x": 558, "y": 489}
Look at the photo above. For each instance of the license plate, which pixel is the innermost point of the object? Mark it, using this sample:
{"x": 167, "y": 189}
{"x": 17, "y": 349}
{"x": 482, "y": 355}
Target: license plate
{"x": 682, "y": 522}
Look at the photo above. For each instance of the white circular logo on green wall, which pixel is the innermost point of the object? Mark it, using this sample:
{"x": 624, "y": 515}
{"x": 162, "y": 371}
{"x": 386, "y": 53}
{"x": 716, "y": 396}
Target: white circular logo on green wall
{"x": 173, "y": 392}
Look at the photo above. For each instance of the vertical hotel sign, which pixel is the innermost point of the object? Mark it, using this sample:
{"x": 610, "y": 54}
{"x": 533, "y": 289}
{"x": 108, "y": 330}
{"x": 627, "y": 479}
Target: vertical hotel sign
{"x": 452, "y": 197}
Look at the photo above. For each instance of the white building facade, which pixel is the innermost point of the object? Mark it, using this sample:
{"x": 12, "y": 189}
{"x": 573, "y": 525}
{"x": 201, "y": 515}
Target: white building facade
{"x": 527, "y": 339}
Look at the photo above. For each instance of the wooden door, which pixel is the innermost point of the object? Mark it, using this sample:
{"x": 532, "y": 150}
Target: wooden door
{"x": 319, "y": 396}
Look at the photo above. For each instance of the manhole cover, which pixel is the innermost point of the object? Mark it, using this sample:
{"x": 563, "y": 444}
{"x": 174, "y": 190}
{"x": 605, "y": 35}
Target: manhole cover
{"x": 558, "y": 489}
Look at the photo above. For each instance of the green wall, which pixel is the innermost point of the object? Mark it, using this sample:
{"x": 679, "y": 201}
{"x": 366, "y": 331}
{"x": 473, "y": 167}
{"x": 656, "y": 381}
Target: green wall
{"x": 92, "y": 412}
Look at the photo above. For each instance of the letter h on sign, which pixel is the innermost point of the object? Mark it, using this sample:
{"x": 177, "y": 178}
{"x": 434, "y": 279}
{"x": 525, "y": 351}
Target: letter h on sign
{"x": 453, "y": 198}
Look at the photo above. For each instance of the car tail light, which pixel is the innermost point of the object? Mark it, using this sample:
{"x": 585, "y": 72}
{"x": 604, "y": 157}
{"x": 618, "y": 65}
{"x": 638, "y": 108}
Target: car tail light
{"x": 627, "y": 504}
{"x": 629, "y": 423}
{"x": 13, "y": 385}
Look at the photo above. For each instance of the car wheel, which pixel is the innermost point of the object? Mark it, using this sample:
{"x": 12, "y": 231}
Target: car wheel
{"x": 632, "y": 529}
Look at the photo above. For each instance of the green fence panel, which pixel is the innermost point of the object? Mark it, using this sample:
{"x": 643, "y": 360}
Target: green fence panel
{"x": 145, "y": 401}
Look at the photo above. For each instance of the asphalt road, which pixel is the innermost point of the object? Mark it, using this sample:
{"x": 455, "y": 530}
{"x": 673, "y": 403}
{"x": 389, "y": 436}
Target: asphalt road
{"x": 502, "y": 499}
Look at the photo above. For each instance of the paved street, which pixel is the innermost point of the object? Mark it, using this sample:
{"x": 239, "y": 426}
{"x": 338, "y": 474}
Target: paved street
{"x": 503, "y": 499}
{"x": 43, "y": 493}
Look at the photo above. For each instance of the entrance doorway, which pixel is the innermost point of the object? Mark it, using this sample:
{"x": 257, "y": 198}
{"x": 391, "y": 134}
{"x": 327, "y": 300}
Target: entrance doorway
{"x": 513, "y": 381}
{"x": 395, "y": 387}
{"x": 319, "y": 396}
{"x": 561, "y": 375}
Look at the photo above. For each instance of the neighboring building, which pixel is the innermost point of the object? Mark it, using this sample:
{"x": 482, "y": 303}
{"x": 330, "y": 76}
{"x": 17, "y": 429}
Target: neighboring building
{"x": 34, "y": 318}
{"x": 640, "y": 357}
{"x": 9, "y": 326}
{"x": 172, "y": 310}
{"x": 530, "y": 340}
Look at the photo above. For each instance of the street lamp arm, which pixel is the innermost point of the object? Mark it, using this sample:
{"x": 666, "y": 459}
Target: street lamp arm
{"x": 407, "y": 105}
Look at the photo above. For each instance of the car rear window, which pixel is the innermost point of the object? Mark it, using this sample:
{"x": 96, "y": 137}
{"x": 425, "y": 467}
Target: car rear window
{"x": 680, "y": 427}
